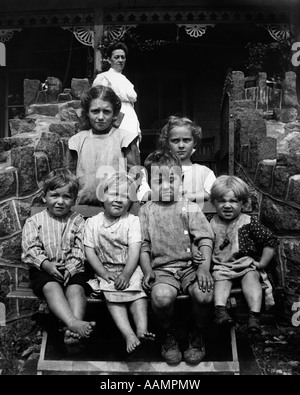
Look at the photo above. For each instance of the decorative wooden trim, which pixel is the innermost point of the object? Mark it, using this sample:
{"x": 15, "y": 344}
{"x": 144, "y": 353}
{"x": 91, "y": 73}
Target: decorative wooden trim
{"x": 85, "y": 34}
{"x": 7, "y": 34}
{"x": 196, "y": 31}
{"x": 119, "y": 17}
{"x": 280, "y": 32}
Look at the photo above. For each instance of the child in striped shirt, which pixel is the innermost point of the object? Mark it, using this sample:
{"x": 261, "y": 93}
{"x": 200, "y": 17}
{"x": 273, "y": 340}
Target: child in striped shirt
{"x": 52, "y": 245}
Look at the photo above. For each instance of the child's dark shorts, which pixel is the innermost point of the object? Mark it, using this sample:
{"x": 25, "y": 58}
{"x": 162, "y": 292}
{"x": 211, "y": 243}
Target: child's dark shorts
{"x": 181, "y": 279}
{"x": 39, "y": 278}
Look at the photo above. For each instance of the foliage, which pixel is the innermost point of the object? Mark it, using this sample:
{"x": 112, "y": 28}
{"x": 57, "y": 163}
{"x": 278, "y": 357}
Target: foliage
{"x": 274, "y": 58}
{"x": 132, "y": 40}
{"x": 17, "y": 340}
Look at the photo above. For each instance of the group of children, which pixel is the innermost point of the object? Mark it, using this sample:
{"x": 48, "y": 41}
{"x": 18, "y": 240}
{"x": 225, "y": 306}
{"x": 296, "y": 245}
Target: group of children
{"x": 168, "y": 248}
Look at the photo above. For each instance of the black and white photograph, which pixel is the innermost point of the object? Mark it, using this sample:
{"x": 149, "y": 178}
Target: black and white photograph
{"x": 149, "y": 191}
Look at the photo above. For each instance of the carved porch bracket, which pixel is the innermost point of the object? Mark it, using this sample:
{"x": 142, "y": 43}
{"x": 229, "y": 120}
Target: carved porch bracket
{"x": 279, "y": 32}
{"x": 7, "y": 34}
{"x": 85, "y": 34}
{"x": 196, "y": 30}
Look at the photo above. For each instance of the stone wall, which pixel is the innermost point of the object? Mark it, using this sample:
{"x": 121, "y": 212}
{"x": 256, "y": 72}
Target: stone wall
{"x": 267, "y": 156}
{"x": 37, "y": 145}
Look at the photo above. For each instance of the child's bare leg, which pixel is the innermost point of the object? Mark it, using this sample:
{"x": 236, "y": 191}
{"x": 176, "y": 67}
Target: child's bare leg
{"x": 221, "y": 292}
{"x": 139, "y": 311}
{"x": 252, "y": 290}
{"x": 60, "y": 307}
{"x": 77, "y": 300}
{"x": 119, "y": 314}
{"x": 201, "y": 304}
{"x": 163, "y": 298}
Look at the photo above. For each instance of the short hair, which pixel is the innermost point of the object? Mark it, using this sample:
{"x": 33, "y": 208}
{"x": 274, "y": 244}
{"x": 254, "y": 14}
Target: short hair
{"x": 225, "y": 183}
{"x": 118, "y": 178}
{"x": 174, "y": 121}
{"x": 114, "y": 46}
{"x": 162, "y": 158}
{"x": 60, "y": 178}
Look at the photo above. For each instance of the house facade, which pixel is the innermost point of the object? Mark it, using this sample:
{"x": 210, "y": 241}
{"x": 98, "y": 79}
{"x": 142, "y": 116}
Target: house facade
{"x": 179, "y": 51}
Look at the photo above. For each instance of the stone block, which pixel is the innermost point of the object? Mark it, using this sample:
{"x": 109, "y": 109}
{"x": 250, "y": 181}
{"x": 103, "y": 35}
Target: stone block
{"x": 8, "y": 220}
{"x": 25, "y": 125}
{"x": 267, "y": 148}
{"x": 285, "y": 114}
{"x": 79, "y": 86}
{"x": 50, "y": 144}
{"x": 42, "y": 167}
{"x": 243, "y": 105}
{"x": 10, "y": 249}
{"x": 252, "y": 126}
{"x": 292, "y": 127}
{"x": 238, "y": 84}
{"x": 31, "y": 89}
{"x": 23, "y": 159}
{"x": 281, "y": 177}
{"x": 293, "y": 193}
{"x": 264, "y": 175}
{"x": 5, "y": 281}
{"x": 48, "y": 109}
{"x": 23, "y": 209}
{"x": 63, "y": 129}
{"x": 69, "y": 115}
{"x": 8, "y": 182}
{"x": 291, "y": 254}
{"x": 279, "y": 217}
{"x": 289, "y": 92}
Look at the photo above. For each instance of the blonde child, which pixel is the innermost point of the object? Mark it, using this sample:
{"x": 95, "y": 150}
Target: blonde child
{"x": 112, "y": 246}
{"x": 170, "y": 227}
{"x": 243, "y": 248}
{"x": 52, "y": 245}
{"x": 181, "y": 136}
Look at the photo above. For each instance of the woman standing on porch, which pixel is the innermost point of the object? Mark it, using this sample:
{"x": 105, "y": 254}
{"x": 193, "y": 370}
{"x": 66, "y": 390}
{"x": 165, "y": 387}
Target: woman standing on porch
{"x": 114, "y": 78}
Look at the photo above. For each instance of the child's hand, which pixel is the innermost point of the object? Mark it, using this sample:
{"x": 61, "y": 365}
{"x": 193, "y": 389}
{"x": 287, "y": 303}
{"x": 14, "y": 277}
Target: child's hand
{"x": 205, "y": 280}
{"x": 67, "y": 276}
{"x": 109, "y": 276}
{"x": 148, "y": 280}
{"x": 122, "y": 281}
{"x": 198, "y": 257}
{"x": 54, "y": 269}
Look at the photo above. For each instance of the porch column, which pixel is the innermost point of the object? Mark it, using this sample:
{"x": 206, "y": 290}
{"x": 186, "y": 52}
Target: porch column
{"x": 98, "y": 35}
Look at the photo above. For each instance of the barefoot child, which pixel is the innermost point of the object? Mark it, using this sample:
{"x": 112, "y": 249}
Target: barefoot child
{"x": 243, "y": 248}
{"x": 170, "y": 227}
{"x": 112, "y": 246}
{"x": 52, "y": 245}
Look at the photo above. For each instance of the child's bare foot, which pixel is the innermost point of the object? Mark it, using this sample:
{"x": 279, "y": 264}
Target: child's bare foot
{"x": 71, "y": 338}
{"x": 132, "y": 342}
{"x": 145, "y": 335}
{"x": 82, "y": 328}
